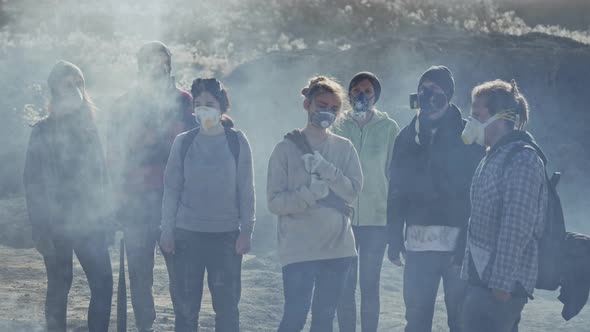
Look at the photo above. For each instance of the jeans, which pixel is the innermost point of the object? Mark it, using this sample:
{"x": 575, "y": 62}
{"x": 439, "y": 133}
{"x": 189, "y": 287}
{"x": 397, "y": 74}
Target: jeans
{"x": 371, "y": 242}
{"x": 324, "y": 279}
{"x": 93, "y": 255}
{"x": 141, "y": 217}
{"x": 422, "y": 275}
{"x": 484, "y": 313}
{"x": 196, "y": 252}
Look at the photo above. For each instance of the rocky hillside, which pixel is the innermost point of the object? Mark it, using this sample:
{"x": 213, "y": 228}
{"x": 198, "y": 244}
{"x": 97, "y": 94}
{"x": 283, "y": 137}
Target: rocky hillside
{"x": 553, "y": 73}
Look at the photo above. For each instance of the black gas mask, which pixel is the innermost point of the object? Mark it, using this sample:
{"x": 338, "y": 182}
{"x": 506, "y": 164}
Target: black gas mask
{"x": 428, "y": 101}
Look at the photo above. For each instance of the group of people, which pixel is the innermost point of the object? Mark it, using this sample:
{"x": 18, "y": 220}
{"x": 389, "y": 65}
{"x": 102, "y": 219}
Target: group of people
{"x": 445, "y": 197}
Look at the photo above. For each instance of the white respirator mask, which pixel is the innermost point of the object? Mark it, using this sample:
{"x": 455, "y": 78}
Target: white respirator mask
{"x": 475, "y": 131}
{"x": 207, "y": 117}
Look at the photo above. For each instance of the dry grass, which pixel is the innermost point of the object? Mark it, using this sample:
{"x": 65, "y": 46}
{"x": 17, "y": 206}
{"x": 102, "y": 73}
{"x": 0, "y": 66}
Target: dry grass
{"x": 22, "y": 287}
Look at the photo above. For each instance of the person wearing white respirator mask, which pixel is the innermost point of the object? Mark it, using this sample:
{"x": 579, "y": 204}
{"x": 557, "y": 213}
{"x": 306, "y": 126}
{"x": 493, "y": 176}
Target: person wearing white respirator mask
{"x": 207, "y": 117}
{"x": 475, "y": 131}
{"x": 509, "y": 195}
{"x": 313, "y": 177}
{"x": 208, "y": 210}
{"x": 373, "y": 134}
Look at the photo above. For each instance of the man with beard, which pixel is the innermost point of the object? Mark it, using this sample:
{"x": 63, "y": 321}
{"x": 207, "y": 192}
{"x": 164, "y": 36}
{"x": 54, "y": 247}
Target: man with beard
{"x": 142, "y": 127}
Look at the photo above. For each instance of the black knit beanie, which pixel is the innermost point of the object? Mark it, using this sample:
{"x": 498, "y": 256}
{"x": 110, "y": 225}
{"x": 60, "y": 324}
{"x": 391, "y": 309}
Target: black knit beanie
{"x": 365, "y": 75}
{"x": 443, "y": 77}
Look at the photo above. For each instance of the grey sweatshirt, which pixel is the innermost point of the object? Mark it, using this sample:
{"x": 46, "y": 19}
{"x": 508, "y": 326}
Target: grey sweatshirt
{"x": 212, "y": 195}
{"x": 308, "y": 231}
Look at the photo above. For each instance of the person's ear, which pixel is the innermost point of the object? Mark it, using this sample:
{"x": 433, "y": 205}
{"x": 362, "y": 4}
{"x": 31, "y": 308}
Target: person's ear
{"x": 306, "y": 104}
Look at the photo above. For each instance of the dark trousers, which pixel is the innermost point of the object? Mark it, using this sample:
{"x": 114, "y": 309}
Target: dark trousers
{"x": 196, "y": 252}
{"x": 422, "y": 275}
{"x": 93, "y": 255}
{"x": 371, "y": 242}
{"x": 141, "y": 216}
{"x": 322, "y": 279}
{"x": 484, "y": 313}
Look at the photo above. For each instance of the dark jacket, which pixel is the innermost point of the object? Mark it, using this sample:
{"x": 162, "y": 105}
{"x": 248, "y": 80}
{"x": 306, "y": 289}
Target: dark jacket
{"x": 575, "y": 280}
{"x": 65, "y": 177}
{"x": 140, "y": 133}
{"x": 430, "y": 182}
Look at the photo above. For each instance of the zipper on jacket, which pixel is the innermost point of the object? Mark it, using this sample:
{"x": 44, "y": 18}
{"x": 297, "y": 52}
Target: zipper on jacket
{"x": 358, "y": 201}
{"x": 361, "y": 145}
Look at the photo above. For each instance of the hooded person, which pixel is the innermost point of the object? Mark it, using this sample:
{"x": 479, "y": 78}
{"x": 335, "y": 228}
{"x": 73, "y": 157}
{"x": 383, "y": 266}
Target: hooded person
{"x": 67, "y": 191}
{"x": 431, "y": 171}
{"x": 142, "y": 126}
{"x": 373, "y": 134}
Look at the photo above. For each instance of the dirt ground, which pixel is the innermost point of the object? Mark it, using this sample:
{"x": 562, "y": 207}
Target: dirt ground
{"x": 23, "y": 282}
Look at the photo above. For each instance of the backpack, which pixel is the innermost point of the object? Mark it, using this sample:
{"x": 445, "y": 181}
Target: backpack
{"x": 232, "y": 141}
{"x": 552, "y": 241}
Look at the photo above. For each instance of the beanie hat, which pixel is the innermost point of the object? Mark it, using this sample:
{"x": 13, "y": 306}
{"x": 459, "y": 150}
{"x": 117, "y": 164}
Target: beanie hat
{"x": 59, "y": 71}
{"x": 443, "y": 77}
{"x": 365, "y": 75}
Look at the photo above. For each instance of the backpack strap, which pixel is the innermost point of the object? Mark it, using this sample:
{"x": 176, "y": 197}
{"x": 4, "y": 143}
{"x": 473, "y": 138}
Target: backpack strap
{"x": 551, "y": 181}
{"x": 298, "y": 138}
{"x": 186, "y": 144}
{"x": 233, "y": 142}
{"x": 512, "y": 154}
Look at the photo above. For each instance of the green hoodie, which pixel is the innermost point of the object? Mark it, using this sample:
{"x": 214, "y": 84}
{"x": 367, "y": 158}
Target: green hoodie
{"x": 374, "y": 144}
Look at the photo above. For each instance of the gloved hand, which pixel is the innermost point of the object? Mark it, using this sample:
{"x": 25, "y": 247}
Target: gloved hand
{"x": 319, "y": 188}
{"x": 308, "y": 161}
{"x": 325, "y": 169}
{"x": 167, "y": 241}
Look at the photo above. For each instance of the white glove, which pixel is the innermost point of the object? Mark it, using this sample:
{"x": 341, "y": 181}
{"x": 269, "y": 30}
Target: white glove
{"x": 319, "y": 188}
{"x": 308, "y": 161}
{"x": 323, "y": 168}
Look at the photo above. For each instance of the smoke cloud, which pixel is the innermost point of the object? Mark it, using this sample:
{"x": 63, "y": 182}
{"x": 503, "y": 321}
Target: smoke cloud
{"x": 264, "y": 52}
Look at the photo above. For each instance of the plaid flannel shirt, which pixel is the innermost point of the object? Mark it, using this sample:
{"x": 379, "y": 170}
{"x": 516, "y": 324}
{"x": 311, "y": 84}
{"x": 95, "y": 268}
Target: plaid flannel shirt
{"x": 507, "y": 218}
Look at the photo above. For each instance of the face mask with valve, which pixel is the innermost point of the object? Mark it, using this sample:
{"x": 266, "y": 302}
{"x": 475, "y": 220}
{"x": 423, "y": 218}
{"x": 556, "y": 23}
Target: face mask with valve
{"x": 323, "y": 117}
{"x": 360, "y": 106}
{"x": 207, "y": 117}
{"x": 475, "y": 131}
{"x": 428, "y": 101}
